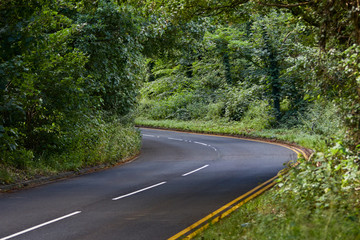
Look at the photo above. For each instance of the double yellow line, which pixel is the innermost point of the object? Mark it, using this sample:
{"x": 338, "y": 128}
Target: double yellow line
{"x": 194, "y": 229}
{"x": 190, "y": 232}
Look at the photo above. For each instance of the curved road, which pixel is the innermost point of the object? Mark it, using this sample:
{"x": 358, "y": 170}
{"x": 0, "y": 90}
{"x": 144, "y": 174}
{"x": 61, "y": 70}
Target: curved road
{"x": 178, "y": 179}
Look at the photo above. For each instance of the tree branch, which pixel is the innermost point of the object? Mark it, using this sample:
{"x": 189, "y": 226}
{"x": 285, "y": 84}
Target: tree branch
{"x": 285, "y": 5}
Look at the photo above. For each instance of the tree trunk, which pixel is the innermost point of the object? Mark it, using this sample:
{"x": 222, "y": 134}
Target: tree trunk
{"x": 150, "y": 67}
{"x": 273, "y": 70}
{"x": 227, "y": 68}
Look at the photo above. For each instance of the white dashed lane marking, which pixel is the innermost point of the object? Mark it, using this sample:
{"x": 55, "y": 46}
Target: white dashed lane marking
{"x": 40, "y": 225}
{"x": 138, "y": 191}
{"x": 196, "y": 170}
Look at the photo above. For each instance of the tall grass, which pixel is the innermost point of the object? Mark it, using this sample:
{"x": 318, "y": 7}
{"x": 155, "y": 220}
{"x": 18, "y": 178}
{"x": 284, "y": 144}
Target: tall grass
{"x": 90, "y": 145}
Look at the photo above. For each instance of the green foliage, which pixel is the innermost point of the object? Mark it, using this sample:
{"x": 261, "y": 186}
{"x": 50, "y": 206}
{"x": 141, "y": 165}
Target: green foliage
{"x": 43, "y": 84}
{"x": 174, "y": 106}
{"x": 325, "y": 181}
{"x": 5, "y": 176}
{"x": 276, "y": 42}
{"x": 232, "y": 61}
{"x": 19, "y": 158}
{"x": 89, "y": 144}
{"x": 220, "y": 42}
{"x": 64, "y": 65}
{"x": 109, "y": 36}
{"x": 215, "y": 110}
{"x": 271, "y": 217}
{"x": 265, "y": 64}
{"x": 209, "y": 73}
{"x": 332, "y": 77}
{"x": 349, "y": 90}
{"x": 93, "y": 144}
{"x": 259, "y": 116}
{"x": 238, "y": 101}
{"x": 322, "y": 118}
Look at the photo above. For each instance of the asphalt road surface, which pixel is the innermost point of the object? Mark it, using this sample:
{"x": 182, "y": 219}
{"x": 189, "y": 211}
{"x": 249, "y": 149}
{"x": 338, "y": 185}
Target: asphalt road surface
{"x": 178, "y": 179}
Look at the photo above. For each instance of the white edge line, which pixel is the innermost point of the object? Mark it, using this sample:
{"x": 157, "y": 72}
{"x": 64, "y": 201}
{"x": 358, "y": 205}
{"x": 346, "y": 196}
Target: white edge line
{"x": 40, "y": 225}
{"x": 198, "y": 169}
{"x": 138, "y": 191}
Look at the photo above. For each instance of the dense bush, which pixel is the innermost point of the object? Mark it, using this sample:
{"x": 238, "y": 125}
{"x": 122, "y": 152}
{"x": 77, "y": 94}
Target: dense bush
{"x": 95, "y": 143}
{"x": 91, "y": 143}
{"x": 259, "y": 116}
{"x": 239, "y": 99}
{"x": 232, "y": 67}
{"x": 64, "y": 66}
{"x": 109, "y": 36}
{"x": 326, "y": 181}
{"x": 324, "y": 119}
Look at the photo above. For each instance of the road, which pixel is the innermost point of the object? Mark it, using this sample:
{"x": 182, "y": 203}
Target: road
{"x": 178, "y": 179}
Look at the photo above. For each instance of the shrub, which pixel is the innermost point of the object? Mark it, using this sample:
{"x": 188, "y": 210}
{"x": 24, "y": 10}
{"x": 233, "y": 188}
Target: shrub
{"x": 215, "y": 110}
{"x": 198, "y": 109}
{"x": 95, "y": 143}
{"x": 5, "y": 176}
{"x": 322, "y": 118}
{"x": 328, "y": 180}
{"x": 238, "y": 100}
{"x": 173, "y": 107}
{"x": 259, "y": 115}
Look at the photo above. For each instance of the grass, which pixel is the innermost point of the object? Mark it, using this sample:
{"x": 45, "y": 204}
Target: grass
{"x": 95, "y": 146}
{"x": 272, "y": 217}
{"x": 220, "y": 126}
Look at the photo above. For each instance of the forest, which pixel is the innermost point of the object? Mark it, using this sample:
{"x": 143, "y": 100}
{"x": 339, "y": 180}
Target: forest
{"x": 76, "y": 75}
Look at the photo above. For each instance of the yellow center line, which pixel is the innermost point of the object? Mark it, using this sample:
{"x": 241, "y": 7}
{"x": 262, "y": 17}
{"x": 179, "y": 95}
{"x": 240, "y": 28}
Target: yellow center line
{"x": 190, "y": 236}
{"x": 219, "y": 210}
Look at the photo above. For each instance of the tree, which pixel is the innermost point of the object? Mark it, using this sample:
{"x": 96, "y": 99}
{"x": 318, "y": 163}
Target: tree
{"x": 335, "y": 24}
{"x": 43, "y": 74}
{"x": 109, "y": 35}
{"x": 64, "y": 65}
{"x": 222, "y": 38}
